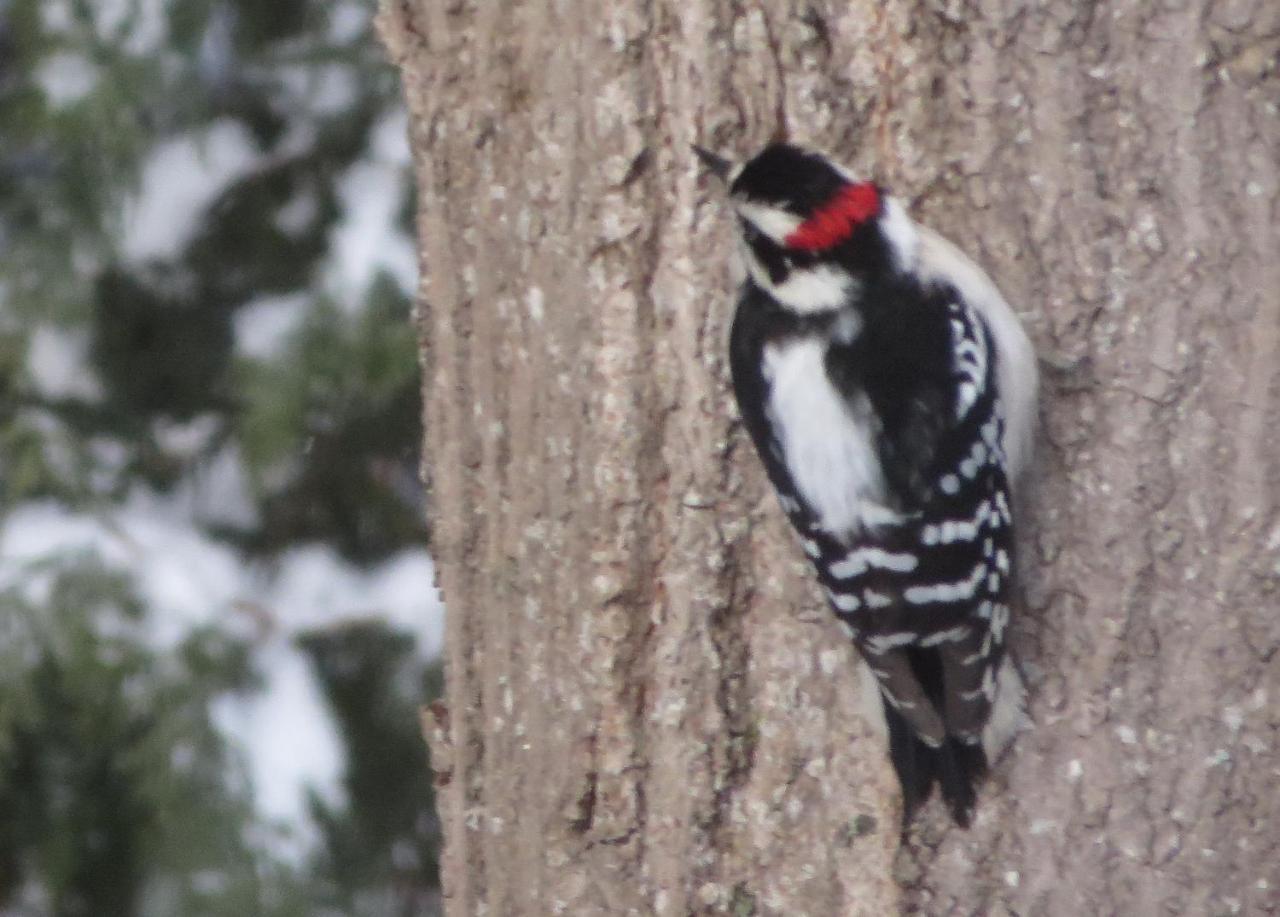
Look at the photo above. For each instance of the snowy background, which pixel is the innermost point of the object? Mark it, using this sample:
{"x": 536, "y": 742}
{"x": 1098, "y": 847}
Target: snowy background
{"x": 208, "y": 465}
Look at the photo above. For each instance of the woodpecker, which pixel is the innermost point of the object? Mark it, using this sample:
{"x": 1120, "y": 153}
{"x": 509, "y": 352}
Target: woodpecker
{"x": 889, "y": 391}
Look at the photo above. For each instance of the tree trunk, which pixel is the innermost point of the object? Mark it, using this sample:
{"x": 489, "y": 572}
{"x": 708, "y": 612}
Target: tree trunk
{"x": 649, "y": 710}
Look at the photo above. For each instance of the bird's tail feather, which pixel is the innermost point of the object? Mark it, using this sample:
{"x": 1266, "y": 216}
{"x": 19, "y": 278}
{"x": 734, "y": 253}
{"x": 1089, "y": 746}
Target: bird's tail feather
{"x": 956, "y": 767}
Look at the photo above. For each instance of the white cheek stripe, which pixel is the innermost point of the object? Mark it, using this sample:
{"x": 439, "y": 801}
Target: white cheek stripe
{"x": 807, "y": 290}
{"x": 774, "y": 222}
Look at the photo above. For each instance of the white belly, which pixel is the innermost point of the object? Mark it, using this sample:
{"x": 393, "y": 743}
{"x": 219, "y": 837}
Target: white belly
{"x": 826, "y": 442}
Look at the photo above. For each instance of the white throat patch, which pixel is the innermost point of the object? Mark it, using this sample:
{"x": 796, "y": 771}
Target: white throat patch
{"x": 807, "y": 290}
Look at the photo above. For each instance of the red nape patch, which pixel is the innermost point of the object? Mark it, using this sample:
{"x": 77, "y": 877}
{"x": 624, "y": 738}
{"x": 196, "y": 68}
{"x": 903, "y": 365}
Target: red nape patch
{"x": 852, "y": 206}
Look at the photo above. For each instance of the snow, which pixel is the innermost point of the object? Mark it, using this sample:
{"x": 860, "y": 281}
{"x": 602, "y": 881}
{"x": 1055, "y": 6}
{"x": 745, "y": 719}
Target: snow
{"x": 180, "y": 179}
{"x": 58, "y": 363}
{"x": 366, "y": 238}
{"x": 183, "y": 176}
{"x": 216, "y": 56}
{"x": 297, "y": 216}
{"x": 186, "y": 438}
{"x": 265, "y": 325}
{"x": 66, "y": 78}
{"x": 188, "y": 579}
{"x": 347, "y": 22}
{"x": 217, "y": 492}
{"x": 315, "y": 589}
{"x": 140, "y": 25}
{"x": 318, "y": 90}
{"x": 289, "y": 740}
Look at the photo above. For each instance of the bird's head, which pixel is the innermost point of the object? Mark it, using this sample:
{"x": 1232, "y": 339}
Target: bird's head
{"x": 811, "y": 232}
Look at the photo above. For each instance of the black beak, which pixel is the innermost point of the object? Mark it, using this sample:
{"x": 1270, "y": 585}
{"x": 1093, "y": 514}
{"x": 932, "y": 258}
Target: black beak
{"x": 716, "y": 165}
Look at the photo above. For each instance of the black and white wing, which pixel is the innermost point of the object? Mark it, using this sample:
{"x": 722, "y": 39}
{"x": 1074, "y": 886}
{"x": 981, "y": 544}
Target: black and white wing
{"x": 886, "y": 449}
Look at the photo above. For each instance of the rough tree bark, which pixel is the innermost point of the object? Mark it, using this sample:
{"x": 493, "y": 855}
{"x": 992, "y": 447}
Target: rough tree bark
{"x": 648, "y": 710}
